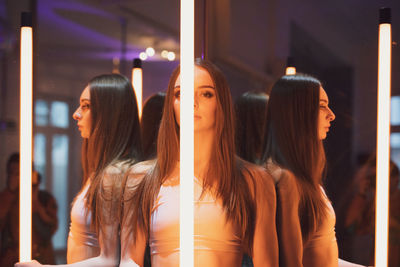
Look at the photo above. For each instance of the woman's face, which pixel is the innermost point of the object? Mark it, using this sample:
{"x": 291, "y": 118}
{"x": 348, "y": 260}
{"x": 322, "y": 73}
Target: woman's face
{"x": 205, "y": 100}
{"x": 326, "y": 115}
{"x": 82, "y": 114}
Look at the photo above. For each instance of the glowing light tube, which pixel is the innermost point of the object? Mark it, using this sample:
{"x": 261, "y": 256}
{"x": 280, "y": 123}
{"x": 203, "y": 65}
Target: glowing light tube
{"x": 186, "y": 135}
{"x": 137, "y": 83}
{"x": 383, "y": 140}
{"x": 25, "y": 186}
{"x": 290, "y": 68}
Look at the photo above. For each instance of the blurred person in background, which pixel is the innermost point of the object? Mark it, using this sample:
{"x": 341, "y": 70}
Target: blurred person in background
{"x": 360, "y": 215}
{"x": 44, "y": 218}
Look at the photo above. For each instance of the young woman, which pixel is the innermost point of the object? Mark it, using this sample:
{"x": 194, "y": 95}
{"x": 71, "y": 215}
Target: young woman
{"x": 150, "y": 124}
{"x": 107, "y": 118}
{"x": 234, "y": 201}
{"x": 251, "y": 111}
{"x": 298, "y": 119}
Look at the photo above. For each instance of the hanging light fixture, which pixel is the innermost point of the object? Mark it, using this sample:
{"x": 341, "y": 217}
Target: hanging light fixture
{"x": 164, "y": 54}
{"x": 150, "y": 51}
{"x": 171, "y": 56}
{"x": 143, "y": 56}
{"x": 383, "y": 139}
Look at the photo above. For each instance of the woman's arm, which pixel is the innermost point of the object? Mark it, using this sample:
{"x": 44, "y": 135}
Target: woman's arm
{"x": 109, "y": 252}
{"x": 343, "y": 263}
{"x": 108, "y": 223}
{"x": 265, "y": 243}
{"x": 99, "y": 261}
{"x": 288, "y": 222}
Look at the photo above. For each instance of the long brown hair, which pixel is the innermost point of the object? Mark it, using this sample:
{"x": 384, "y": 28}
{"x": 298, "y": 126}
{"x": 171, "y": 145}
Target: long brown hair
{"x": 225, "y": 176}
{"x": 292, "y": 142}
{"x": 150, "y": 124}
{"x": 251, "y": 111}
{"x": 114, "y": 138}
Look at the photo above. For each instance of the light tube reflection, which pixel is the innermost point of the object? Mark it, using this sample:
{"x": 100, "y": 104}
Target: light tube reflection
{"x": 383, "y": 140}
{"x": 137, "y": 83}
{"x": 186, "y": 134}
{"x": 25, "y": 187}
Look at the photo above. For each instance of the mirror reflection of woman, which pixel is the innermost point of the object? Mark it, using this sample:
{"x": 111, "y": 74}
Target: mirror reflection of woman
{"x": 107, "y": 118}
{"x": 234, "y": 200}
{"x": 150, "y": 123}
{"x": 298, "y": 119}
{"x": 251, "y": 111}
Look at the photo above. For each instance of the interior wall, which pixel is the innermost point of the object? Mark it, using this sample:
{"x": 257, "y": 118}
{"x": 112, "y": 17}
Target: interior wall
{"x": 250, "y": 41}
{"x": 259, "y": 39}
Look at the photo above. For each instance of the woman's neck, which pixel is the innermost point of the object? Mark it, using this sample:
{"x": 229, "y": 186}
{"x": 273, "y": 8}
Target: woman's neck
{"x": 203, "y": 143}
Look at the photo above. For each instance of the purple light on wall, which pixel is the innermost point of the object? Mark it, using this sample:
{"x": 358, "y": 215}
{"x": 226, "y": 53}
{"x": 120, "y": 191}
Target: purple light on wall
{"x": 47, "y": 14}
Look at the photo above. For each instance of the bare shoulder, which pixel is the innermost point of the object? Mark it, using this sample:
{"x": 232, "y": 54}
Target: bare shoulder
{"x": 117, "y": 167}
{"x": 285, "y": 181}
{"x": 280, "y": 175}
{"x": 258, "y": 178}
{"x": 258, "y": 173}
{"x": 136, "y": 172}
{"x": 117, "y": 172}
{"x": 142, "y": 167}
{"x": 113, "y": 174}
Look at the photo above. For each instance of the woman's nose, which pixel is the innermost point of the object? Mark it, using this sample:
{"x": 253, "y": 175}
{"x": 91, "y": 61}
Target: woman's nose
{"x": 331, "y": 115}
{"x": 77, "y": 115}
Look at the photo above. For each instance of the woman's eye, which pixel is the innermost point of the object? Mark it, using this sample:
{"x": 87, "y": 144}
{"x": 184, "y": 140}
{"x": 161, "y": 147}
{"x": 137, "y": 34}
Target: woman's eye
{"x": 177, "y": 94}
{"x": 85, "y": 106}
{"x": 208, "y": 94}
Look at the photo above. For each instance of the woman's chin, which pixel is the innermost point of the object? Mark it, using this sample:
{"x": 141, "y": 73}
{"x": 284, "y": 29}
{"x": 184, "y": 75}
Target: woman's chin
{"x": 83, "y": 135}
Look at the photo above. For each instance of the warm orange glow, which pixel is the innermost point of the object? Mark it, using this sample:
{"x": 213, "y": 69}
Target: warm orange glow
{"x": 137, "y": 83}
{"x": 290, "y": 70}
{"x": 25, "y": 202}
{"x": 383, "y": 146}
{"x": 186, "y": 135}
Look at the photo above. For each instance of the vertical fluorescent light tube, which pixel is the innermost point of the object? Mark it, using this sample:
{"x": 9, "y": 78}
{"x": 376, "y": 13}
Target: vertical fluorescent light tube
{"x": 137, "y": 83}
{"x": 290, "y": 68}
{"x": 383, "y": 139}
{"x": 25, "y": 185}
{"x": 186, "y": 135}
